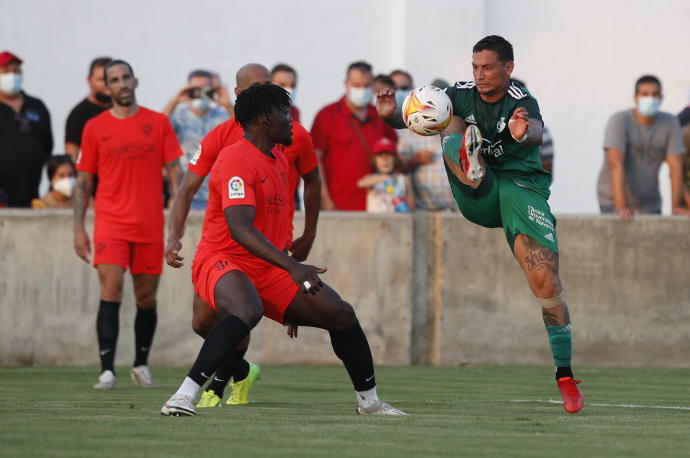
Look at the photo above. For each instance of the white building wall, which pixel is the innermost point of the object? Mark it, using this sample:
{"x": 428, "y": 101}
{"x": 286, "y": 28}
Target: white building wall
{"x": 579, "y": 58}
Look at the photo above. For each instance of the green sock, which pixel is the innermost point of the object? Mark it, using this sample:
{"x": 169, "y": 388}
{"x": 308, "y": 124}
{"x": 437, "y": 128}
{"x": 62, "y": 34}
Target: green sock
{"x": 561, "y": 342}
{"x": 451, "y": 147}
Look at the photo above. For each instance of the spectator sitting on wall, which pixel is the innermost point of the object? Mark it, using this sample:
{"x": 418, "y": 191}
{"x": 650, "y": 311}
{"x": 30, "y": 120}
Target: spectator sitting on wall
{"x": 62, "y": 179}
{"x": 94, "y": 104}
{"x": 285, "y": 76}
{"x": 387, "y": 189}
{"x": 26, "y": 139}
{"x": 196, "y": 113}
{"x": 637, "y": 142}
{"x": 344, "y": 134}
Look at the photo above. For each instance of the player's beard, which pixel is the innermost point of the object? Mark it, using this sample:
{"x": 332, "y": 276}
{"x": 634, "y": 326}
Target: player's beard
{"x": 124, "y": 100}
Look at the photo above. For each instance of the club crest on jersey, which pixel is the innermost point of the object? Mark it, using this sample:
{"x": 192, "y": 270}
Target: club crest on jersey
{"x": 197, "y": 155}
{"x": 501, "y": 124}
{"x": 236, "y": 188}
{"x": 147, "y": 129}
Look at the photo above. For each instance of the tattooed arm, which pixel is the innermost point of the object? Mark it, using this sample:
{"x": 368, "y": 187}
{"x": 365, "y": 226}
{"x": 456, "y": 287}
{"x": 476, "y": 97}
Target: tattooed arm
{"x": 82, "y": 244}
{"x": 175, "y": 174}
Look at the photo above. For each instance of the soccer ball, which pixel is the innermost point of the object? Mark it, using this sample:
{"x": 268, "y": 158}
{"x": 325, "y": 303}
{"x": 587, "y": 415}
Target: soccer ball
{"x": 427, "y": 110}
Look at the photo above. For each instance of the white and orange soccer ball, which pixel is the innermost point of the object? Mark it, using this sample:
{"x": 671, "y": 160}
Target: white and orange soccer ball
{"x": 427, "y": 110}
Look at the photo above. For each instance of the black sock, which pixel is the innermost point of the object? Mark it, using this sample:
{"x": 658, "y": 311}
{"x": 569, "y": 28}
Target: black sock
{"x": 564, "y": 371}
{"x": 235, "y": 367}
{"x": 220, "y": 342}
{"x": 144, "y": 328}
{"x": 352, "y": 348}
{"x": 107, "y": 329}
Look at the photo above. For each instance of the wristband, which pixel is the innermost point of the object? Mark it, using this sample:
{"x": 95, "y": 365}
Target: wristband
{"x": 519, "y": 140}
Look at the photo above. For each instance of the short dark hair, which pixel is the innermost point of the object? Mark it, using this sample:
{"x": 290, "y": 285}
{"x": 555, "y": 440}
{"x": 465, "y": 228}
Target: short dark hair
{"x": 283, "y": 68}
{"x": 647, "y": 79}
{"x": 98, "y": 62}
{"x": 113, "y": 63}
{"x": 360, "y": 65}
{"x": 497, "y": 44}
{"x": 55, "y": 162}
{"x": 385, "y": 79}
{"x": 259, "y": 100}
{"x": 403, "y": 73}
{"x": 200, "y": 72}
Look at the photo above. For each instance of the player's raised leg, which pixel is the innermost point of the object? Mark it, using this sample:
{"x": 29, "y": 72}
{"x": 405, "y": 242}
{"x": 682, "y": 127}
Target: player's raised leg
{"x": 328, "y": 311}
{"x": 145, "y": 289}
{"x": 111, "y": 278}
{"x": 240, "y": 308}
{"x": 540, "y": 265}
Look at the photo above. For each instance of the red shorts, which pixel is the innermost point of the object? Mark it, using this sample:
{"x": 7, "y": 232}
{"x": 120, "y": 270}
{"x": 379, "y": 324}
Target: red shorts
{"x": 274, "y": 285}
{"x": 141, "y": 258}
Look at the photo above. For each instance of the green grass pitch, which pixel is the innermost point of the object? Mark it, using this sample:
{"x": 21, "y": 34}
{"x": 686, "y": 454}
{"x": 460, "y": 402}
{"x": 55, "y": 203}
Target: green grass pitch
{"x": 309, "y": 411}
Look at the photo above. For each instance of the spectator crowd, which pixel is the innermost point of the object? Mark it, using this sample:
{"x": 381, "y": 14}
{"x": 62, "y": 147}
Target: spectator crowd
{"x": 364, "y": 164}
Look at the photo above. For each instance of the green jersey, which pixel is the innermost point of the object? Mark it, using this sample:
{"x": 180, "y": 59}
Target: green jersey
{"x": 507, "y": 158}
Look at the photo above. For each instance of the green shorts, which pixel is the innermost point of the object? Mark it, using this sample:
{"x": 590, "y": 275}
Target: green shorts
{"x": 503, "y": 203}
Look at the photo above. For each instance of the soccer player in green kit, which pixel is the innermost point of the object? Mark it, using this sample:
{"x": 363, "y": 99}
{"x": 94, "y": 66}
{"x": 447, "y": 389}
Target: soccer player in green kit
{"x": 491, "y": 150}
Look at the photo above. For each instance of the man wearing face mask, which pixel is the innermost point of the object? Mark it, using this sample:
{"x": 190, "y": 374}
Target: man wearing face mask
{"x": 196, "y": 111}
{"x": 94, "y": 104}
{"x": 26, "y": 140}
{"x": 344, "y": 134}
{"x": 286, "y": 77}
{"x": 637, "y": 142}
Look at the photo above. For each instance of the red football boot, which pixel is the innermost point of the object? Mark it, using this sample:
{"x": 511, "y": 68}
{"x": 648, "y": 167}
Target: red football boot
{"x": 573, "y": 401}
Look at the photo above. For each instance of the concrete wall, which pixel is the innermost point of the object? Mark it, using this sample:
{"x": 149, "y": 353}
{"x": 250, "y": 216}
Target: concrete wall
{"x": 428, "y": 289}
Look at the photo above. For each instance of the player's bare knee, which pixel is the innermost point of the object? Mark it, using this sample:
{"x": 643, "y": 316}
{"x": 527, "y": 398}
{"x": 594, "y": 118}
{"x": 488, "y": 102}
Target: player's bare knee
{"x": 547, "y": 285}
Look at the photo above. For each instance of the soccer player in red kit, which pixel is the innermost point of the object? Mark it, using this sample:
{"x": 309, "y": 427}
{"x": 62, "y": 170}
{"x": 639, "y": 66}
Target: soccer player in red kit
{"x": 241, "y": 270}
{"x": 302, "y": 162}
{"x": 127, "y": 147}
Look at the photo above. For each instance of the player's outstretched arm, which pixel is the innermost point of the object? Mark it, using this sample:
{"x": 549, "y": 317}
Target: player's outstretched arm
{"x": 82, "y": 194}
{"x": 312, "y": 205}
{"x": 388, "y": 108}
{"x": 240, "y": 219}
{"x": 191, "y": 182}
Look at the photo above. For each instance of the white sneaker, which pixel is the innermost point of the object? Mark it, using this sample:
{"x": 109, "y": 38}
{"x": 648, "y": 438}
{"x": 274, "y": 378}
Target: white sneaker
{"x": 471, "y": 153}
{"x": 106, "y": 381}
{"x": 380, "y": 408}
{"x": 142, "y": 377}
{"x": 179, "y": 405}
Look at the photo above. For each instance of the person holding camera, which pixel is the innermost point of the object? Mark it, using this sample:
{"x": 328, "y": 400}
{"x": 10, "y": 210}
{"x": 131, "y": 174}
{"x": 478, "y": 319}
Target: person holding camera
{"x": 194, "y": 111}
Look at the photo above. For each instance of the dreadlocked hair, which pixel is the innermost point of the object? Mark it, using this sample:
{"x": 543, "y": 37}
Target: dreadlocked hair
{"x": 259, "y": 100}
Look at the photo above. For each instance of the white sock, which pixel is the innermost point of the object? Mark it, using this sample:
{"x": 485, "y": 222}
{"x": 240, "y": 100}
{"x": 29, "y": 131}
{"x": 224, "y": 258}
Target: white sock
{"x": 189, "y": 387}
{"x": 368, "y": 398}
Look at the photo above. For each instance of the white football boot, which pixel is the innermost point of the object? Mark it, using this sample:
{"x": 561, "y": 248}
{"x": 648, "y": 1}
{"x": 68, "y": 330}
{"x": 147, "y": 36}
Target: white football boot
{"x": 471, "y": 152}
{"x": 380, "y": 408}
{"x": 142, "y": 377}
{"x": 106, "y": 381}
{"x": 179, "y": 405}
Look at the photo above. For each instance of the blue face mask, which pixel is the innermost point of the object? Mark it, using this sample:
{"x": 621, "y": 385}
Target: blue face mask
{"x": 648, "y": 106}
{"x": 400, "y": 95}
{"x": 10, "y": 83}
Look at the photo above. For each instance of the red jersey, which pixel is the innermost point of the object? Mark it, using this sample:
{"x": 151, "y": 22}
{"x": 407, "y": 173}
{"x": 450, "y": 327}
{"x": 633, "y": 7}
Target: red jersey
{"x": 128, "y": 156}
{"x": 243, "y": 175}
{"x": 346, "y": 143}
{"x": 300, "y": 154}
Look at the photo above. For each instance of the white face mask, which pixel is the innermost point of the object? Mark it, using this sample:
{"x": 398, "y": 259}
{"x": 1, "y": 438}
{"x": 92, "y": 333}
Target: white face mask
{"x": 359, "y": 96}
{"x": 400, "y": 95}
{"x": 10, "y": 83}
{"x": 201, "y": 104}
{"x": 292, "y": 92}
{"x": 65, "y": 186}
{"x": 648, "y": 106}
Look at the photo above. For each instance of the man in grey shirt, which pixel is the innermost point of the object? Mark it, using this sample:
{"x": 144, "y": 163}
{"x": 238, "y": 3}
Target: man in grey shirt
{"x": 637, "y": 142}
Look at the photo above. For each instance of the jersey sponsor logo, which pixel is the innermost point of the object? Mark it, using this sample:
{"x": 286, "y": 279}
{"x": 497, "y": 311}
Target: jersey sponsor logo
{"x": 516, "y": 92}
{"x": 465, "y": 84}
{"x": 470, "y": 119}
{"x": 275, "y": 204}
{"x": 197, "y": 155}
{"x": 236, "y": 188}
{"x": 494, "y": 149}
{"x": 501, "y": 124}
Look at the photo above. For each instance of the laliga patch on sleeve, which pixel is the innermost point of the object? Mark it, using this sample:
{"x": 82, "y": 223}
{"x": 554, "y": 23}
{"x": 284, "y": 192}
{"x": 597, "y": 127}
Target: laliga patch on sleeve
{"x": 236, "y": 188}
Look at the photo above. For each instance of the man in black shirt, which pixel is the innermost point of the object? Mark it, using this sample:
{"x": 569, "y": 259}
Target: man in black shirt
{"x": 94, "y": 104}
{"x": 26, "y": 139}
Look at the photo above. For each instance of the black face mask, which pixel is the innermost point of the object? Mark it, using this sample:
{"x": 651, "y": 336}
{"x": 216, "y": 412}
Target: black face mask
{"x": 103, "y": 98}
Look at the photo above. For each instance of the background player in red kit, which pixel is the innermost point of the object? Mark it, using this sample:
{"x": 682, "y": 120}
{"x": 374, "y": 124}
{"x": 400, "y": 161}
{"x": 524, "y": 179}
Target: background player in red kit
{"x": 240, "y": 269}
{"x": 127, "y": 147}
{"x": 302, "y": 162}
